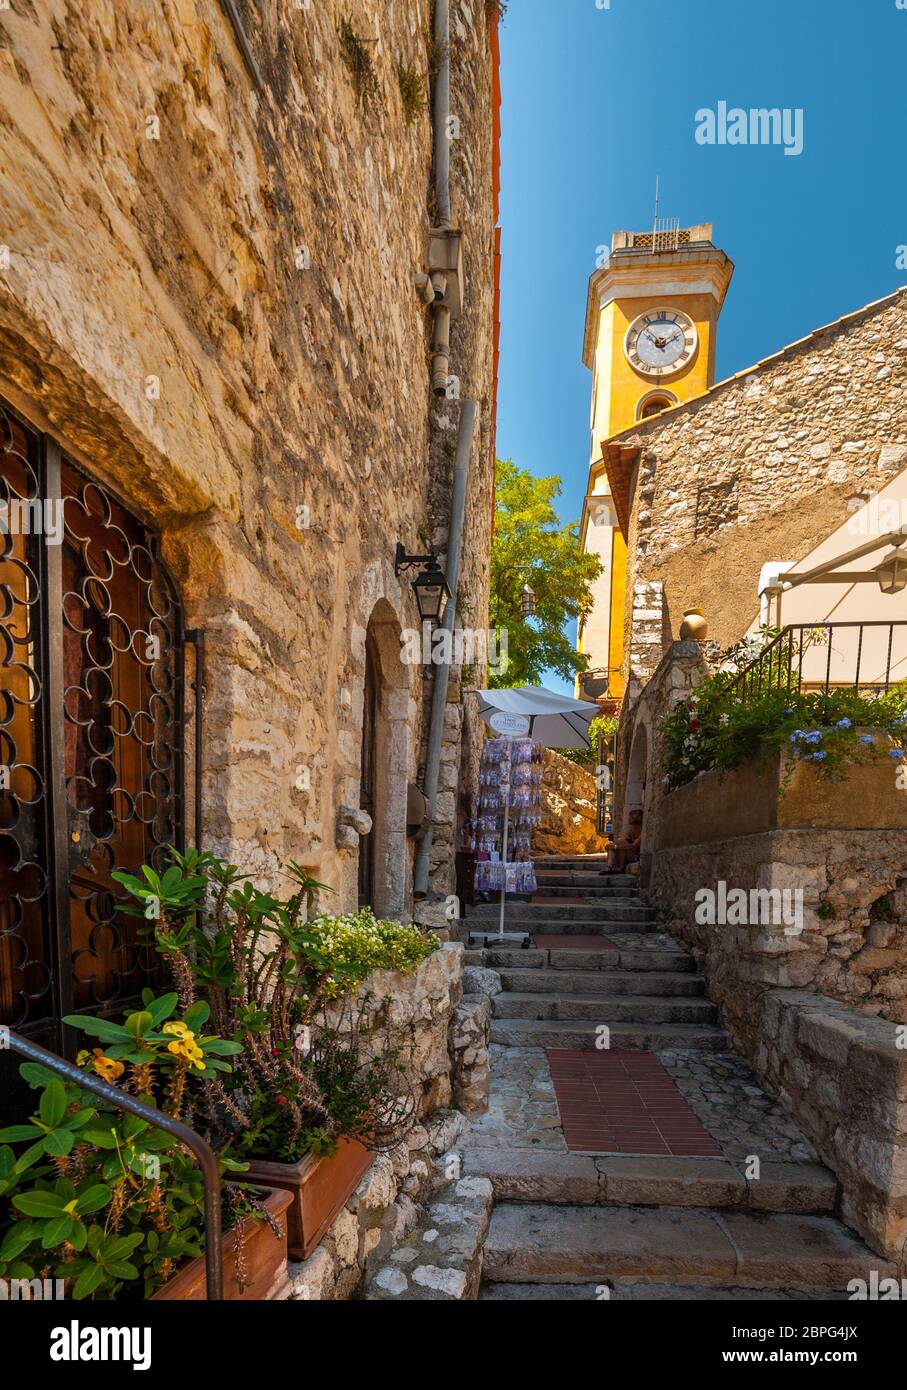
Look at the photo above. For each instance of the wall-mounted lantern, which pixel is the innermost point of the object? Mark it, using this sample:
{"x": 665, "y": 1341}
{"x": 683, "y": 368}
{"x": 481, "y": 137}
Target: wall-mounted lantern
{"x": 892, "y": 572}
{"x": 429, "y": 586}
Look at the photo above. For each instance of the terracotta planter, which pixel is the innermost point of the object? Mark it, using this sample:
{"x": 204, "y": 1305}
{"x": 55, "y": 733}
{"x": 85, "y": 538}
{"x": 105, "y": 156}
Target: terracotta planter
{"x": 319, "y": 1188}
{"x": 265, "y": 1261}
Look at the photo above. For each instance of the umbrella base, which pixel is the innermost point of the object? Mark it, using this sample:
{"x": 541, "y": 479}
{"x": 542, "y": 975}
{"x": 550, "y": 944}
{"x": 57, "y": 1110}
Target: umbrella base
{"x": 493, "y": 938}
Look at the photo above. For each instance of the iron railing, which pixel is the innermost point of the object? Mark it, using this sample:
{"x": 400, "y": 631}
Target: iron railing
{"x": 207, "y": 1159}
{"x": 827, "y": 656}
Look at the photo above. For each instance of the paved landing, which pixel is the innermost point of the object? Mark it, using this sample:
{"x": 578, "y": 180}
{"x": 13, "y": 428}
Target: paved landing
{"x": 624, "y": 1102}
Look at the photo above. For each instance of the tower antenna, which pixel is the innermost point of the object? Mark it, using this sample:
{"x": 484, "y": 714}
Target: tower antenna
{"x": 655, "y": 219}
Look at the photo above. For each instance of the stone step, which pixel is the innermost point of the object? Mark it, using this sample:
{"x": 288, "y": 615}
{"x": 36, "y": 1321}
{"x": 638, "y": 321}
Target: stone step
{"x": 440, "y": 1260}
{"x": 602, "y": 891}
{"x": 582, "y": 866}
{"x": 582, "y": 884}
{"x": 684, "y": 1246}
{"x": 538, "y": 914}
{"x": 627, "y": 1037}
{"x": 626, "y": 1290}
{"x": 641, "y": 958}
{"x": 603, "y": 1008}
{"x": 589, "y": 981}
{"x": 571, "y": 1179}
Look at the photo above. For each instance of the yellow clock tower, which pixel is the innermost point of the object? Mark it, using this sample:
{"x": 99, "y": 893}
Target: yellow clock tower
{"x": 651, "y": 317}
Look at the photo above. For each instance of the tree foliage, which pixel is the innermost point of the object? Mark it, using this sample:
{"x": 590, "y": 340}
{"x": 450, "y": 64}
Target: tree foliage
{"x": 528, "y": 531}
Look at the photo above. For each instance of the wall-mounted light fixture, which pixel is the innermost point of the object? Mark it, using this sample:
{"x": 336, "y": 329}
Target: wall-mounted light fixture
{"x": 527, "y": 601}
{"x": 892, "y": 572}
{"x": 430, "y": 585}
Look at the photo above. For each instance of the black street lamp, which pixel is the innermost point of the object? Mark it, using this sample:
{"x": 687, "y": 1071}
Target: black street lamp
{"x": 527, "y": 601}
{"x": 430, "y": 586}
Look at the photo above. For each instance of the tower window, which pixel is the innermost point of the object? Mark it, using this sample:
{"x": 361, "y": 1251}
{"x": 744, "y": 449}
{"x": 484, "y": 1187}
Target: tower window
{"x": 654, "y": 403}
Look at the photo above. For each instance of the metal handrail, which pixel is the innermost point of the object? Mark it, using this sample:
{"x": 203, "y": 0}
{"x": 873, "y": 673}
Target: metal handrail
{"x": 778, "y": 658}
{"x": 207, "y": 1159}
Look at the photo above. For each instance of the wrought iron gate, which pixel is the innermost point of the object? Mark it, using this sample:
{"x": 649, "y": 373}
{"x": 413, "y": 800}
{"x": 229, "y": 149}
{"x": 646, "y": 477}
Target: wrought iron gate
{"x": 91, "y": 735}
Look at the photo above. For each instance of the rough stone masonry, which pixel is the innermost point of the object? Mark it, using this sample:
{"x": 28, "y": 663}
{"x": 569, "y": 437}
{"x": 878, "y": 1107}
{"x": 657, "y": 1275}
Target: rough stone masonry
{"x": 210, "y": 304}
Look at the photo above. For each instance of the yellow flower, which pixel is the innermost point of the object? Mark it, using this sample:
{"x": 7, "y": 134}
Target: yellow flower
{"x": 178, "y": 1029}
{"x": 82, "y": 1057}
{"x": 188, "y": 1051}
{"x": 107, "y": 1068}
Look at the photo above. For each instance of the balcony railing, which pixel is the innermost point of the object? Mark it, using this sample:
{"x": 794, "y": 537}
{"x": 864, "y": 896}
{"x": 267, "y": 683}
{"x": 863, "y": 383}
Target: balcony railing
{"x": 866, "y": 657}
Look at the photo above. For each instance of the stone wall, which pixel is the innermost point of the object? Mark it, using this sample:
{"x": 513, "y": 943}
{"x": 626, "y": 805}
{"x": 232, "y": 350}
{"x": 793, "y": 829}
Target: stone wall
{"x": 568, "y": 809}
{"x": 738, "y": 829}
{"x": 210, "y": 303}
{"x": 813, "y": 995}
{"x": 756, "y": 470}
{"x": 443, "y": 1033}
{"x": 844, "y": 1078}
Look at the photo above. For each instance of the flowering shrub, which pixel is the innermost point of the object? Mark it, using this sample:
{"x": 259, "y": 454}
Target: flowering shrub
{"x": 359, "y": 942}
{"x": 99, "y": 1198}
{"x": 715, "y": 730}
{"x": 265, "y": 972}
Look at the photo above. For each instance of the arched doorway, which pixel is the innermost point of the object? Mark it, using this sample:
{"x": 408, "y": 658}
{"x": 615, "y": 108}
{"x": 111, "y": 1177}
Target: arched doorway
{"x": 369, "y": 769}
{"x": 383, "y": 858}
{"x": 637, "y": 772}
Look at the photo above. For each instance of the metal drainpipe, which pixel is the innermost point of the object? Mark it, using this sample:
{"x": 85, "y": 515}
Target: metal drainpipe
{"x": 440, "y": 347}
{"x": 441, "y": 112}
{"x": 442, "y": 672}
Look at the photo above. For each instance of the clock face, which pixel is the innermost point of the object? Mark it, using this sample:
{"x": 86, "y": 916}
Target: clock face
{"x": 661, "y": 342}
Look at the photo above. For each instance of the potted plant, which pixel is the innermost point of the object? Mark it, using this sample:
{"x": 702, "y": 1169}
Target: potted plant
{"x": 108, "y": 1204}
{"x": 312, "y": 1095}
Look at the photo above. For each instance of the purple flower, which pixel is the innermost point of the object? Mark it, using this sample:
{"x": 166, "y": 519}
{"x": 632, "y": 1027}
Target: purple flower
{"x": 843, "y": 724}
{"x": 866, "y": 738}
{"x": 896, "y": 753}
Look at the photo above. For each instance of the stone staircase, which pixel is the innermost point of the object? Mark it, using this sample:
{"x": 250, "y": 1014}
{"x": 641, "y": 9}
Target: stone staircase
{"x": 641, "y": 987}
{"x": 571, "y": 1225}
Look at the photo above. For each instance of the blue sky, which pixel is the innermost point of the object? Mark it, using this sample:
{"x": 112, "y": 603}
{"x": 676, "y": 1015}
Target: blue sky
{"x": 596, "y": 102}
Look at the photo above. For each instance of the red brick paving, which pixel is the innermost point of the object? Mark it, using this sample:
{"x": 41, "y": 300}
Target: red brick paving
{"x": 545, "y": 941}
{"x": 624, "y": 1102}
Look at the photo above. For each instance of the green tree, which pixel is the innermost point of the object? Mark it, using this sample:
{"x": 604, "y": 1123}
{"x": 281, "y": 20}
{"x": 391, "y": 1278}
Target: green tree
{"x": 529, "y": 532}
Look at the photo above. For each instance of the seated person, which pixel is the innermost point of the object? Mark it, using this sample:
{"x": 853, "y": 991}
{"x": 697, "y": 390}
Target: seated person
{"x": 626, "y": 850}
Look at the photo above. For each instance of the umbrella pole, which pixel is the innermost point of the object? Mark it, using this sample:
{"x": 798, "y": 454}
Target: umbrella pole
{"x": 504, "y": 864}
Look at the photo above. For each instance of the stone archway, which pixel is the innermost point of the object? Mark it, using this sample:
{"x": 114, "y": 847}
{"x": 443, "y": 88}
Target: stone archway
{"x": 638, "y": 794}
{"x": 384, "y": 766}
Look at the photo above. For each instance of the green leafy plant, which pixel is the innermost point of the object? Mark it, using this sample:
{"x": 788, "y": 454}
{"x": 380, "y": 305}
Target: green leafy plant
{"x": 355, "y": 53}
{"x": 716, "y": 729}
{"x": 101, "y": 1198}
{"x": 265, "y": 973}
{"x": 355, "y": 943}
{"x": 412, "y": 92}
{"x": 528, "y": 531}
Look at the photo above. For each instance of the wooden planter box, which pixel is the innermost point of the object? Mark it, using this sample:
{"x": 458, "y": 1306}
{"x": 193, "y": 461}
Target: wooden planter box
{"x": 319, "y": 1188}
{"x": 265, "y": 1261}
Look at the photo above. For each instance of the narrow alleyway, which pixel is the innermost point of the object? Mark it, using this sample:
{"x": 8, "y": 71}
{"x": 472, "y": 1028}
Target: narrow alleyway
{"x": 625, "y": 1172}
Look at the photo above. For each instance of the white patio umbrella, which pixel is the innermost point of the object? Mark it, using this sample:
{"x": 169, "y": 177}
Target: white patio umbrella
{"x": 531, "y": 711}
{"x": 554, "y": 721}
